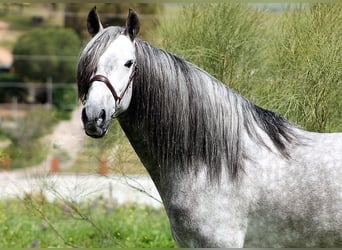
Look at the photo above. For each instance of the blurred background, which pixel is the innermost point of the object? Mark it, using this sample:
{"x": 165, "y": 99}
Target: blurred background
{"x": 284, "y": 57}
{"x": 39, "y": 48}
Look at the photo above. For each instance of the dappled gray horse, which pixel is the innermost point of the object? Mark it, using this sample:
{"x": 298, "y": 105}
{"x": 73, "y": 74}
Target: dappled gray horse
{"x": 230, "y": 173}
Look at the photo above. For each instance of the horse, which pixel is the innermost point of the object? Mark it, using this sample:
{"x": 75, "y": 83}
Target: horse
{"x": 229, "y": 173}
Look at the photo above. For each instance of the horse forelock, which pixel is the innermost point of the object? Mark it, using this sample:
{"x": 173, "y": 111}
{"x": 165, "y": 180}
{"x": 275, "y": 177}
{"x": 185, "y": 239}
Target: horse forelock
{"x": 90, "y": 57}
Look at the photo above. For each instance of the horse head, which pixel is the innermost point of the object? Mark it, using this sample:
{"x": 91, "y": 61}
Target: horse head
{"x": 106, "y": 71}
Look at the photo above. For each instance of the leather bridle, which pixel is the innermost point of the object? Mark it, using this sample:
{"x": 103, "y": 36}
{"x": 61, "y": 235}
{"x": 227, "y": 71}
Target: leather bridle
{"x": 105, "y": 80}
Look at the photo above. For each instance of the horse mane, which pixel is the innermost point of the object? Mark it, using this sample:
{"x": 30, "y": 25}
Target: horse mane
{"x": 191, "y": 118}
{"x": 187, "y": 117}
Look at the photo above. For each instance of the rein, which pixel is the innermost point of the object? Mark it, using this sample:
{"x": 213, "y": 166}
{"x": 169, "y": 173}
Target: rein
{"x": 105, "y": 80}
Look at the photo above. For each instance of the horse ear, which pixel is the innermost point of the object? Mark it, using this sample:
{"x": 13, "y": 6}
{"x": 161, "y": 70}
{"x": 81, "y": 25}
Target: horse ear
{"x": 132, "y": 24}
{"x": 93, "y": 22}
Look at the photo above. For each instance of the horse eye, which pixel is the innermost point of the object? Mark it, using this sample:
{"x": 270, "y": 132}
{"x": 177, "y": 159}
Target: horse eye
{"x": 129, "y": 63}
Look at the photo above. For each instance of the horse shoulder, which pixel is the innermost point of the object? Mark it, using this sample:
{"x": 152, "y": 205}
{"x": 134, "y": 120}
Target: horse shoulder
{"x": 206, "y": 215}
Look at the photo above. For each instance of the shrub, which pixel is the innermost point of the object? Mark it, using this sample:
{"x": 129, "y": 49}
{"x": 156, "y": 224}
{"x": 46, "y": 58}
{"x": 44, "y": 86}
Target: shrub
{"x": 8, "y": 92}
{"x": 289, "y": 62}
{"x": 26, "y": 147}
{"x": 222, "y": 38}
{"x": 64, "y": 100}
{"x": 305, "y": 68}
{"x": 59, "y": 48}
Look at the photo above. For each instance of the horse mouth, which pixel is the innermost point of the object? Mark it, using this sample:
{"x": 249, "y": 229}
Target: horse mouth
{"x": 94, "y": 131}
{"x": 95, "y": 128}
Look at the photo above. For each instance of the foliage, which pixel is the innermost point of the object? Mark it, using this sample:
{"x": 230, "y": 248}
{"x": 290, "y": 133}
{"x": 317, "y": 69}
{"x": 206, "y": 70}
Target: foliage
{"x": 57, "y": 51}
{"x": 224, "y": 41}
{"x": 305, "y": 66}
{"x": 7, "y": 93}
{"x": 35, "y": 124}
{"x": 289, "y": 62}
{"x": 34, "y": 222}
{"x": 64, "y": 100}
{"x": 26, "y": 147}
{"x": 24, "y": 155}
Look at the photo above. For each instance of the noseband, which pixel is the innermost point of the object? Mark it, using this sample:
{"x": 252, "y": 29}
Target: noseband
{"x": 105, "y": 80}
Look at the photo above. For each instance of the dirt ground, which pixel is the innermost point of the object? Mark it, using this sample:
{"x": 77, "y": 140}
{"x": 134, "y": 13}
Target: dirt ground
{"x": 67, "y": 137}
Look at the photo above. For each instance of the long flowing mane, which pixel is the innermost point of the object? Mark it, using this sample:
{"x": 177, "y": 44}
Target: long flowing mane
{"x": 187, "y": 117}
{"x": 191, "y": 118}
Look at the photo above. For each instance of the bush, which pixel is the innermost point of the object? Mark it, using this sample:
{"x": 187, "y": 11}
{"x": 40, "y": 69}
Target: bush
{"x": 8, "y": 92}
{"x": 289, "y": 62}
{"x": 59, "y": 48}
{"x": 305, "y": 67}
{"x": 222, "y": 38}
{"x": 64, "y": 100}
{"x": 26, "y": 147}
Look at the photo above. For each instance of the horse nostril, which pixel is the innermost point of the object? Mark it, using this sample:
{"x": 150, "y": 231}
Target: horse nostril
{"x": 103, "y": 114}
{"x": 84, "y": 116}
{"x": 102, "y": 117}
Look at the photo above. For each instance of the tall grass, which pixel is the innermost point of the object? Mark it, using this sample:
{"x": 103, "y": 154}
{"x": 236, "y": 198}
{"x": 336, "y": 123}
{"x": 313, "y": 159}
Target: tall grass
{"x": 221, "y": 38}
{"x": 306, "y": 64}
{"x": 289, "y": 62}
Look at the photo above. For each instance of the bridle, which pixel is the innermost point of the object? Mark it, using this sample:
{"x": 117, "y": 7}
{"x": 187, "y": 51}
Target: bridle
{"x": 105, "y": 80}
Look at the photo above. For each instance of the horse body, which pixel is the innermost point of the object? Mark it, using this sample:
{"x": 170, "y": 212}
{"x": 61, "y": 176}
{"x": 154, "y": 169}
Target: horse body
{"x": 297, "y": 199}
{"x": 230, "y": 174}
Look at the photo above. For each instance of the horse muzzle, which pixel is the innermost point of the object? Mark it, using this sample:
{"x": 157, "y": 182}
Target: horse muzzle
{"x": 96, "y": 127}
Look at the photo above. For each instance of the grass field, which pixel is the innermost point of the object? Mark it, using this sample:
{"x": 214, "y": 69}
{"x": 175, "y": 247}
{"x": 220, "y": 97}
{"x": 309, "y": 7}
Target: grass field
{"x": 33, "y": 222}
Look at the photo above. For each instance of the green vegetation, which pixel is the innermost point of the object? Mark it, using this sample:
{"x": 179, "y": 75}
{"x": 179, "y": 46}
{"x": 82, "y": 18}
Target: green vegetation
{"x": 34, "y": 222}
{"x": 304, "y": 70}
{"x": 64, "y": 100}
{"x": 27, "y": 148}
{"x": 53, "y": 53}
{"x": 225, "y": 41}
{"x": 6, "y": 94}
{"x": 289, "y": 62}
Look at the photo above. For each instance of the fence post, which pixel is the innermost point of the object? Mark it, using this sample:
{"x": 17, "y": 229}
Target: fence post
{"x": 6, "y": 162}
{"x": 54, "y": 165}
{"x": 103, "y": 167}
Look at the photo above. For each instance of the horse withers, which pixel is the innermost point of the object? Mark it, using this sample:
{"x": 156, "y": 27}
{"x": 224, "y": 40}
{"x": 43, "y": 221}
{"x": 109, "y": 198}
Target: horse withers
{"x": 230, "y": 173}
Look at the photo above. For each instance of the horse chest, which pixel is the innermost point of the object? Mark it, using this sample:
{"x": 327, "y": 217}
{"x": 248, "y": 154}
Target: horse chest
{"x": 204, "y": 216}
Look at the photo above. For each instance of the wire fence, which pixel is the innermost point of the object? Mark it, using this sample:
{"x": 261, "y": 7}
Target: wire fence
{"x": 10, "y": 99}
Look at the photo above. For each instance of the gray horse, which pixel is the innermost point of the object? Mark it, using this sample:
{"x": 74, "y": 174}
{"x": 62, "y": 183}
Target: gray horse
{"x": 225, "y": 168}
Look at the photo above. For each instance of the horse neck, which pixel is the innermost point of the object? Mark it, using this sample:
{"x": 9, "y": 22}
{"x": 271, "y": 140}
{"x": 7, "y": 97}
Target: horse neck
{"x": 136, "y": 138}
{"x": 179, "y": 116}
